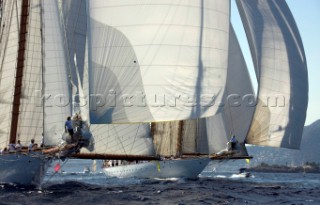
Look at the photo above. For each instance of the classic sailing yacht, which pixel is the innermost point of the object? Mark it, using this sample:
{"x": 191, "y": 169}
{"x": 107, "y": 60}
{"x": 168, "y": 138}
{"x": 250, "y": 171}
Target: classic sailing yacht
{"x": 185, "y": 141}
{"x": 279, "y": 61}
{"x": 149, "y": 70}
{"x": 35, "y": 89}
{"x": 166, "y": 63}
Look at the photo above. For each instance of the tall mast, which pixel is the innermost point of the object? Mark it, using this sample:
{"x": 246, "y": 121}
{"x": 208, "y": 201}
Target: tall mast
{"x": 19, "y": 70}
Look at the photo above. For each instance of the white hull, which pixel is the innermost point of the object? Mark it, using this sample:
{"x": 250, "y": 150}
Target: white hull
{"x": 23, "y": 169}
{"x": 183, "y": 168}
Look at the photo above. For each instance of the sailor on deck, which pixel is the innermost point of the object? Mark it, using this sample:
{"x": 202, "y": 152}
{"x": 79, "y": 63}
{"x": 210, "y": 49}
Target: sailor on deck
{"x": 32, "y": 145}
{"x": 233, "y": 142}
{"x": 11, "y": 147}
{"x": 68, "y": 126}
{"x": 18, "y": 146}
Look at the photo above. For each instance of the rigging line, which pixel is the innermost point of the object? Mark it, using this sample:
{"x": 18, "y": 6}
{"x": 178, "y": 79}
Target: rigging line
{"x": 8, "y": 28}
{"x": 135, "y": 137}
{"x": 42, "y": 68}
{"x": 118, "y": 139}
{"x": 17, "y": 15}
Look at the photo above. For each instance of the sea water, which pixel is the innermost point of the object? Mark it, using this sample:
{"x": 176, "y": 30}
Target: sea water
{"x": 71, "y": 185}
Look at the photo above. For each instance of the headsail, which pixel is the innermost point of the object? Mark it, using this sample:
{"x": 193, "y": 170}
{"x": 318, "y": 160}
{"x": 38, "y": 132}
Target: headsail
{"x": 55, "y": 74}
{"x": 117, "y": 140}
{"x": 281, "y": 70}
{"x": 235, "y": 114}
{"x": 142, "y": 68}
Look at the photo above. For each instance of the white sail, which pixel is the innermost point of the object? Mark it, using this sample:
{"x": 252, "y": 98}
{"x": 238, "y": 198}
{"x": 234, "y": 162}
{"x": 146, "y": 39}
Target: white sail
{"x": 74, "y": 14}
{"x": 281, "y": 70}
{"x": 117, "y": 139}
{"x": 8, "y": 60}
{"x": 236, "y": 112}
{"x": 210, "y": 135}
{"x": 142, "y": 68}
{"x": 123, "y": 139}
{"x": 30, "y": 123}
{"x": 57, "y": 92}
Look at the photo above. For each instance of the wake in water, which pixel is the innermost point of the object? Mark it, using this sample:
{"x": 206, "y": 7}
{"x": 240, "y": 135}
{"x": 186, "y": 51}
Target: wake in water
{"x": 95, "y": 189}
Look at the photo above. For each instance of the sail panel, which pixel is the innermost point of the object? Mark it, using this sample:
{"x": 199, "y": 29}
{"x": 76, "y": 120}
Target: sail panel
{"x": 240, "y": 99}
{"x": 30, "y": 123}
{"x": 11, "y": 15}
{"x": 281, "y": 69}
{"x": 236, "y": 111}
{"x": 57, "y": 101}
{"x": 217, "y": 136}
{"x": 131, "y": 139}
{"x": 141, "y": 68}
{"x": 124, "y": 139}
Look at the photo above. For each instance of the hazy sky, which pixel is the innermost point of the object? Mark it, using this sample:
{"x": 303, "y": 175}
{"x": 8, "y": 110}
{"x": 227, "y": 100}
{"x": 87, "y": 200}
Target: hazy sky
{"x": 307, "y": 17}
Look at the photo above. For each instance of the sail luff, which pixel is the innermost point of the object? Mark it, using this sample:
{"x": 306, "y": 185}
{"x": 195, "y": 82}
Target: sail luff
{"x": 19, "y": 69}
{"x": 277, "y": 48}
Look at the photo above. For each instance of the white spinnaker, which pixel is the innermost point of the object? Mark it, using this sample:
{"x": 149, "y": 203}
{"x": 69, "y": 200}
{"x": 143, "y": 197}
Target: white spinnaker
{"x": 9, "y": 34}
{"x": 55, "y": 74}
{"x": 281, "y": 70}
{"x": 30, "y": 123}
{"x": 235, "y": 115}
{"x": 156, "y": 60}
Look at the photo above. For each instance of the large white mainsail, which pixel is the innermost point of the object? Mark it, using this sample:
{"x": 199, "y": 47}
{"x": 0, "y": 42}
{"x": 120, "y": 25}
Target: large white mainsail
{"x": 142, "y": 68}
{"x": 8, "y": 60}
{"x": 30, "y": 123}
{"x": 281, "y": 70}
